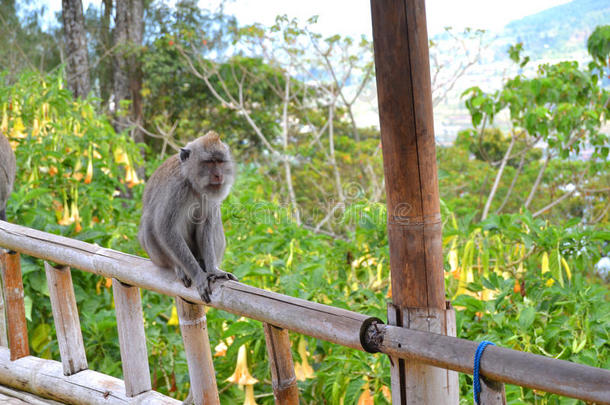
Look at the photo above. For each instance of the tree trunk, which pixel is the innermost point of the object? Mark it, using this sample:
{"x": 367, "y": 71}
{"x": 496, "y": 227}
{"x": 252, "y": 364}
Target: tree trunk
{"x": 494, "y": 188}
{"x": 77, "y": 66}
{"x": 104, "y": 53}
{"x": 128, "y": 33}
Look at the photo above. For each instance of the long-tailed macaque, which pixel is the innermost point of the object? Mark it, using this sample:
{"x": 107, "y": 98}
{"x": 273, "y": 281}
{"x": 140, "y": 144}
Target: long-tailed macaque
{"x": 181, "y": 227}
{"x": 7, "y": 173}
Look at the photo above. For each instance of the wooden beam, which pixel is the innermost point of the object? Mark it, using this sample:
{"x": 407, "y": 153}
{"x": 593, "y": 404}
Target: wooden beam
{"x": 45, "y": 378}
{"x": 295, "y": 314}
{"x": 321, "y": 321}
{"x": 409, "y": 156}
{"x": 65, "y": 316}
{"x": 15, "y": 307}
{"x": 132, "y": 339}
{"x": 414, "y": 222}
{"x": 284, "y": 380}
{"x": 194, "y": 328}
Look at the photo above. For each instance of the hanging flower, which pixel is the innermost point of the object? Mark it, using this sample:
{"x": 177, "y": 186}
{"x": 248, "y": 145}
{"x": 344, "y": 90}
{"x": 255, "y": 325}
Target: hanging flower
{"x": 250, "y": 395}
{"x": 303, "y": 370}
{"x": 242, "y": 376}
{"x": 365, "y": 398}
{"x": 89, "y": 175}
{"x": 173, "y": 319}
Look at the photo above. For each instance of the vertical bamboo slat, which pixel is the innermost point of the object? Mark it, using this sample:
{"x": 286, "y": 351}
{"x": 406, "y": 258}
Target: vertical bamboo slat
{"x": 65, "y": 315}
{"x": 15, "y": 308}
{"x": 3, "y": 335}
{"x": 284, "y": 381}
{"x": 132, "y": 340}
{"x": 423, "y": 383}
{"x": 492, "y": 392}
{"x": 397, "y": 365}
{"x": 193, "y": 326}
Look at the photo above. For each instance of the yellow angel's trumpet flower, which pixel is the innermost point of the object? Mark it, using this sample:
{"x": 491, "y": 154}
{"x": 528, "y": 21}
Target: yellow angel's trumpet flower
{"x": 173, "y": 319}
{"x": 365, "y": 398}
{"x": 242, "y": 376}
{"x": 75, "y": 215}
{"x": 89, "y": 175}
{"x": 545, "y": 263}
{"x": 250, "y": 395}
{"x": 120, "y": 156}
{"x": 131, "y": 177}
{"x": 303, "y": 370}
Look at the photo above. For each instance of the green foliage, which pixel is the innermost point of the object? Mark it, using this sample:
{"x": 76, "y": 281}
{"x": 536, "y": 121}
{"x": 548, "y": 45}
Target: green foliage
{"x": 598, "y": 44}
{"x": 523, "y": 281}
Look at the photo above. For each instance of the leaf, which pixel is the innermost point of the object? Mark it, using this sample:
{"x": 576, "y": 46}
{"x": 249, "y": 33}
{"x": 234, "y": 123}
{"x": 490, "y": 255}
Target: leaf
{"x": 526, "y": 318}
{"x": 353, "y": 391}
{"x": 555, "y": 266}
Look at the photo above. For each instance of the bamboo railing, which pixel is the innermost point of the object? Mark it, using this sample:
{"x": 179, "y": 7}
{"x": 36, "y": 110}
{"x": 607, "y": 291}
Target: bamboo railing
{"x": 73, "y": 383}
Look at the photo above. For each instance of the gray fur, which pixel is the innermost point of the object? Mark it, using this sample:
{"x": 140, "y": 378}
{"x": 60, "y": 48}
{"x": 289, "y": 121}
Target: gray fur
{"x": 181, "y": 227}
{"x": 8, "y": 167}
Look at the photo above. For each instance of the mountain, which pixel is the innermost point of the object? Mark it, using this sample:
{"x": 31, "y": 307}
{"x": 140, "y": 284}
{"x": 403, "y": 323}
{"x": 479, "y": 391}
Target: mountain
{"x": 559, "y": 31}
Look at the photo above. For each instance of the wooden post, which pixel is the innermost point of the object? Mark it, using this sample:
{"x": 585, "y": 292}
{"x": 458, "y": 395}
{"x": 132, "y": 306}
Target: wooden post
{"x": 193, "y": 326}
{"x": 409, "y": 157}
{"x": 132, "y": 339}
{"x": 284, "y": 381}
{"x": 492, "y": 392}
{"x": 3, "y": 335}
{"x": 15, "y": 308}
{"x": 65, "y": 315}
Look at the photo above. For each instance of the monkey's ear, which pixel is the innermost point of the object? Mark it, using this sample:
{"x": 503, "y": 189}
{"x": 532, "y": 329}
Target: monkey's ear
{"x": 184, "y": 154}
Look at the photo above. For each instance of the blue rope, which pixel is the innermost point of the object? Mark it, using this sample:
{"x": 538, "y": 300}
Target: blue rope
{"x": 476, "y": 386}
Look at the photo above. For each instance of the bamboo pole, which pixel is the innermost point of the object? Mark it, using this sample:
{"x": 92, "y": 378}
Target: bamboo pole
{"x": 15, "y": 308}
{"x": 322, "y": 321}
{"x": 193, "y": 326}
{"x": 65, "y": 315}
{"x": 132, "y": 339}
{"x": 45, "y": 378}
{"x": 409, "y": 156}
{"x": 3, "y": 324}
{"x": 284, "y": 381}
{"x": 308, "y": 318}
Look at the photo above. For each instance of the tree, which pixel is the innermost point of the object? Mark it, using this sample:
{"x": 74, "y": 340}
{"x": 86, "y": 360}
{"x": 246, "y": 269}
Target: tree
{"x": 127, "y": 83}
{"x": 562, "y": 107}
{"x": 77, "y": 62}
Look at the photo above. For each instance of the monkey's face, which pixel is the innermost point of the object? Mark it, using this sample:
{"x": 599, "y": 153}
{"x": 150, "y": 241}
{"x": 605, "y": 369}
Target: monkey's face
{"x": 208, "y": 167}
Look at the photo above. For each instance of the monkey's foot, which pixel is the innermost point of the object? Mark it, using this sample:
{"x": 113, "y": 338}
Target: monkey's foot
{"x": 205, "y": 288}
{"x": 186, "y": 280}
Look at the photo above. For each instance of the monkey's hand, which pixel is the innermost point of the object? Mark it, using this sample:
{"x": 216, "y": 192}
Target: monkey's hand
{"x": 204, "y": 288}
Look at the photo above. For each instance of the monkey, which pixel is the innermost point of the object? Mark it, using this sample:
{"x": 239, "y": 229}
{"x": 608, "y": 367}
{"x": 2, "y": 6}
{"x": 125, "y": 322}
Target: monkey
{"x": 8, "y": 167}
{"x": 181, "y": 226}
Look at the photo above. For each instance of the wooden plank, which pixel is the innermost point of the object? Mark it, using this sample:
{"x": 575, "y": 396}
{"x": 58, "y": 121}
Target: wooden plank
{"x": 3, "y": 325}
{"x": 284, "y": 381}
{"x": 193, "y": 326}
{"x": 397, "y": 365}
{"x": 132, "y": 339}
{"x": 45, "y": 378}
{"x": 426, "y": 384}
{"x": 453, "y": 380}
{"x": 492, "y": 392}
{"x": 312, "y": 319}
{"x": 65, "y": 315}
{"x": 15, "y": 308}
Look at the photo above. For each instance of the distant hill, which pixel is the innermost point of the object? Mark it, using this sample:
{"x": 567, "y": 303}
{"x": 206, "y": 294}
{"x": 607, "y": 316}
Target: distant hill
{"x": 561, "y": 30}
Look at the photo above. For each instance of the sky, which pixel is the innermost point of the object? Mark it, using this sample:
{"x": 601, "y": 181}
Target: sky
{"x": 353, "y": 17}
